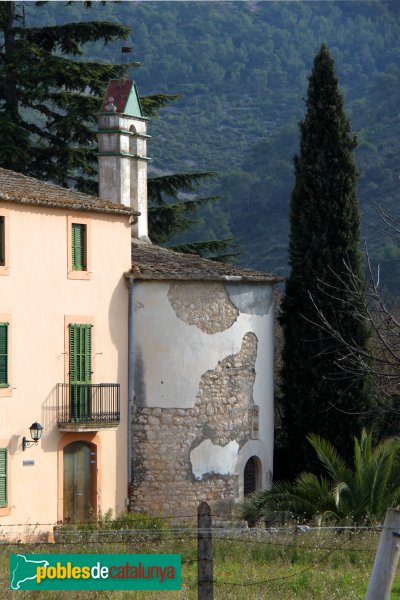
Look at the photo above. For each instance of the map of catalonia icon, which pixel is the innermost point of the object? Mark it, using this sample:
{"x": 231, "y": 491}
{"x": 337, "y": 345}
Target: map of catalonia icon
{"x": 23, "y": 570}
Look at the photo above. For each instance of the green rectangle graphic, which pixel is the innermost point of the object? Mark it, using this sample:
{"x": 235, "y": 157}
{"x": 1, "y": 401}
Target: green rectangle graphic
{"x": 95, "y": 571}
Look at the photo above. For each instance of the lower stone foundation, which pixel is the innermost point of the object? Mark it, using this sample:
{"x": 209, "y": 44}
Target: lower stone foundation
{"x": 164, "y": 482}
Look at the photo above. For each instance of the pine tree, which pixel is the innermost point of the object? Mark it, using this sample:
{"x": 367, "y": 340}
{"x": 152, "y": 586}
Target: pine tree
{"x": 169, "y": 215}
{"x": 319, "y": 397}
{"x": 48, "y": 99}
{"x": 48, "y": 106}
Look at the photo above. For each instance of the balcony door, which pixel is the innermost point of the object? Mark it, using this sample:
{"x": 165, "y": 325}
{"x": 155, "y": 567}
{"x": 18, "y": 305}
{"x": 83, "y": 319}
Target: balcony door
{"x": 80, "y": 371}
{"x": 78, "y": 482}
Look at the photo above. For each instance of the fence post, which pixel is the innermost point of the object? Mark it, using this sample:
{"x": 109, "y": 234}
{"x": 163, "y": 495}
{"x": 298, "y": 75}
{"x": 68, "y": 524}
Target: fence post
{"x": 205, "y": 558}
{"x": 386, "y": 558}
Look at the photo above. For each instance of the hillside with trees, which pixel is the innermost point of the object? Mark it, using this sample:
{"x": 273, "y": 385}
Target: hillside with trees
{"x": 241, "y": 71}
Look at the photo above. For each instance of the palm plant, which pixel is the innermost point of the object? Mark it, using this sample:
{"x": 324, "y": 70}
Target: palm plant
{"x": 360, "y": 495}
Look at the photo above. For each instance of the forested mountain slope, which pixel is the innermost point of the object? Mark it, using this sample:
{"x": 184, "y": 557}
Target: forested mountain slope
{"x": 241, "y": 69}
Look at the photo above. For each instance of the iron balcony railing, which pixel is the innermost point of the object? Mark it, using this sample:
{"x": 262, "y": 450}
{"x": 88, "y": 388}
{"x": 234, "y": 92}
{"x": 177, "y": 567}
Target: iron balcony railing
{"x": 88, "y": 403}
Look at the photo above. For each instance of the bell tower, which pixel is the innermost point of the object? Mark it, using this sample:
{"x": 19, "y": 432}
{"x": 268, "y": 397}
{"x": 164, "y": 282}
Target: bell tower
{"x": 122, "y": 138}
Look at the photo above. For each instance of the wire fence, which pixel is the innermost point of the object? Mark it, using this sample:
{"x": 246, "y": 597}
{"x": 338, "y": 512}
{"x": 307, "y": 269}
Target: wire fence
{"x": 268, "y": 560}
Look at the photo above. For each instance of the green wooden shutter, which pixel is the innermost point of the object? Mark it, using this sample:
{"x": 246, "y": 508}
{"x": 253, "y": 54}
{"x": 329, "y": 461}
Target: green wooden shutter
{"x": 3, "y": 477}
{"x": 80, "y": 353}
{"x": 87, "y": 352}
{"x": 74, "y": 389}
{"x": 72, "y": 353}
{"x": 3, "y": 354}
{"x": 78, "y": 247}
{"x": 2, "y": 242}
{"x": 80, "y": 371}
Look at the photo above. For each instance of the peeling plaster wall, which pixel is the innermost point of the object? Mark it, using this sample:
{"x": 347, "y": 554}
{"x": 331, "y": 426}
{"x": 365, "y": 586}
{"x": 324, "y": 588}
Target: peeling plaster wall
{"x": 209, "y": 458}
{"x": 206, "y": 306}
{"x": 203, "y": 359}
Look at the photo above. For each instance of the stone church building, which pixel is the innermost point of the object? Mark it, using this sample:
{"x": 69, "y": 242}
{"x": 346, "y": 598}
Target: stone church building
{"x": 201, "y": 349}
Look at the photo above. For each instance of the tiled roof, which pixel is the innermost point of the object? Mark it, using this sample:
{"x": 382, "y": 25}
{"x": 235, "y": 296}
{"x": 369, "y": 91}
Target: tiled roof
{"x": 125, "y": 97}
{"x": 21, "y": 189}
{"x": 153, "y": 262}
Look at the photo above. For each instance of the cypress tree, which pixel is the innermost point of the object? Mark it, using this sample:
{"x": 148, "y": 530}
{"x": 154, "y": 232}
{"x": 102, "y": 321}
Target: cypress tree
{"x": 319, "y": 396}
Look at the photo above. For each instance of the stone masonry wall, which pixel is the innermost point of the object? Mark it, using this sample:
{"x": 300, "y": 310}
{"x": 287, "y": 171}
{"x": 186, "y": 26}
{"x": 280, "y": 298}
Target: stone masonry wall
{"x": 164, "y": 482}
{"x": 206, "y": 306}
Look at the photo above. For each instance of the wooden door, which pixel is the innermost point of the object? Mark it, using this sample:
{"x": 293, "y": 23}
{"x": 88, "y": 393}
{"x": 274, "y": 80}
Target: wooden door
{"x": 250, "y": 476}
{"x": 78, "y": 489}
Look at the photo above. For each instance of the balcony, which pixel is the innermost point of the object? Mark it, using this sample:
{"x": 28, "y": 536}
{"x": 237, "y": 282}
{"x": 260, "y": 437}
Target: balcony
{"x": 87, "y": 407}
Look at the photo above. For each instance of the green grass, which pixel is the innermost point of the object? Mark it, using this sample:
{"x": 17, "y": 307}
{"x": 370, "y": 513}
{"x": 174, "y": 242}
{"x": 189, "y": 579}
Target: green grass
{"x": 251, "y": 566}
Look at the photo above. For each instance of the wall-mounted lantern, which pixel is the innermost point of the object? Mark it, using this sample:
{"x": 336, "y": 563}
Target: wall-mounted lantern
{"x": 36, "y": 433}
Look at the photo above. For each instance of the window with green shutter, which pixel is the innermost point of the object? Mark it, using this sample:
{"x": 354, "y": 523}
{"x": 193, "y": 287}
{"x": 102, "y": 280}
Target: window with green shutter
{"x": 78, "y": 247}
{"x": 2, "y": 243}
{"x": 80, "y": 370}
{"x": 3, "y": 354}
{"x": 3, "y": 477}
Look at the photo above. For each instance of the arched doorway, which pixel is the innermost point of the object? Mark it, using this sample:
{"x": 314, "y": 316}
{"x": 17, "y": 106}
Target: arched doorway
{"x": 78, "y": 482}
{"x": 251, "y": 476}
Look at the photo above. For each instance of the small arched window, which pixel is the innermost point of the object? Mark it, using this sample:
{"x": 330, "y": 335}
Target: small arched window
{"x": 255, "y": 419}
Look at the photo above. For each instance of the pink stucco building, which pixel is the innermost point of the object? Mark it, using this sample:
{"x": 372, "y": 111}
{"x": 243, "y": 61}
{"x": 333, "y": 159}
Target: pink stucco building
{"x": 63, "y": 352}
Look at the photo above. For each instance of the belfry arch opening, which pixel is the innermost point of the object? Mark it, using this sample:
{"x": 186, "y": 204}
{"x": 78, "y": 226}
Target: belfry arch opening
{"x": 133, "y": 147}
